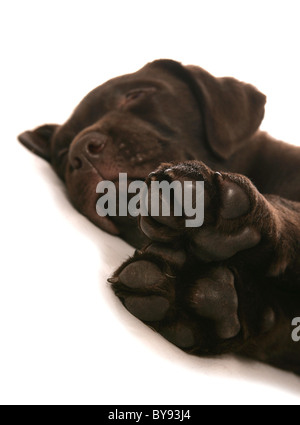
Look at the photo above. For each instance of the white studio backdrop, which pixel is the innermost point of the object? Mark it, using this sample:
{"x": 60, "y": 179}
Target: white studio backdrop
{"x": 64, "y": 337}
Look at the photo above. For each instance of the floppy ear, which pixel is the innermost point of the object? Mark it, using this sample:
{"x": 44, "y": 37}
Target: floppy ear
{"x": 38, "y": 140}
{"x": 232, "y": 110}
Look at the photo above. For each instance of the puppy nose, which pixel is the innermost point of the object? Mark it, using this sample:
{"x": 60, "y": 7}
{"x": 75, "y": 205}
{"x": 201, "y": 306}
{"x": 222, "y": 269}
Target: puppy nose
{"x": 88, "y": 146}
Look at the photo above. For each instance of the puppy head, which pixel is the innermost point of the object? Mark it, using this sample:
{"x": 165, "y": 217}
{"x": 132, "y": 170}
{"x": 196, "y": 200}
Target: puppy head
{"x": 164, "y": 112}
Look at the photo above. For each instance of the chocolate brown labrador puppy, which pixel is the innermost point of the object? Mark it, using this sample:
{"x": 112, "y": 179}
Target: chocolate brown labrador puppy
{"x": 232, "y": 285}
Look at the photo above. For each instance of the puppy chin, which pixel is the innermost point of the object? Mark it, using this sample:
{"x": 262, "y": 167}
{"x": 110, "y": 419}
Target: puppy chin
{"x": 105, "y": 223}
{"x": 82, "y": 193}
{"x": 88, "y": 209}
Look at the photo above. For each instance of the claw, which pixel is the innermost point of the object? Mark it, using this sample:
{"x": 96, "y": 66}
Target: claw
{"x": 113, "y": 280}
{"x": 152, "y": 176}
{"x": 170, "y": 276}
{"x": 170, "y": 173}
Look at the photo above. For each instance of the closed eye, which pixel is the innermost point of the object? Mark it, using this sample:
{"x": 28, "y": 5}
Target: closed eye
{"x": 137, "y": 94}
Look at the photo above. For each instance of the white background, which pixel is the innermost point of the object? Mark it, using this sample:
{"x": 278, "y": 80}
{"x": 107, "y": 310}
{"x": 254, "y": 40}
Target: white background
{"x": 64, "y": 337}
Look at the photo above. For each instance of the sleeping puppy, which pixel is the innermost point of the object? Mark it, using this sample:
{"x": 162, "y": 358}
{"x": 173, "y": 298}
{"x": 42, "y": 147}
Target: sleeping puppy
{"x": 231, "y": 285}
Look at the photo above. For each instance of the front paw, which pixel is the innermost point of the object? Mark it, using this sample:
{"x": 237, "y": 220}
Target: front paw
{"x": 230, "y": 201}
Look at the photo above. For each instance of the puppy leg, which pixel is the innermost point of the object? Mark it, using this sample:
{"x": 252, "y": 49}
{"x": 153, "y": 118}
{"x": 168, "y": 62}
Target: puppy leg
{"x": 209, "y": 309}
{"x": 239, "y": 220}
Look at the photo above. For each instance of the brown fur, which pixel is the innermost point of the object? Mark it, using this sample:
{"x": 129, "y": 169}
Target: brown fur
{"x": 183, "y": 116}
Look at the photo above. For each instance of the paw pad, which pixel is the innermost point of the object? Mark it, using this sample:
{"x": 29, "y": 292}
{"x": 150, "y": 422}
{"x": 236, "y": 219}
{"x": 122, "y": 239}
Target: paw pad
{"x": 235, "y": 201}
{"x": 149, "y": 309}
{"x": 141, "y": 274}
{"x": 215, "y": 298}
{"x": 180, "y": 335}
